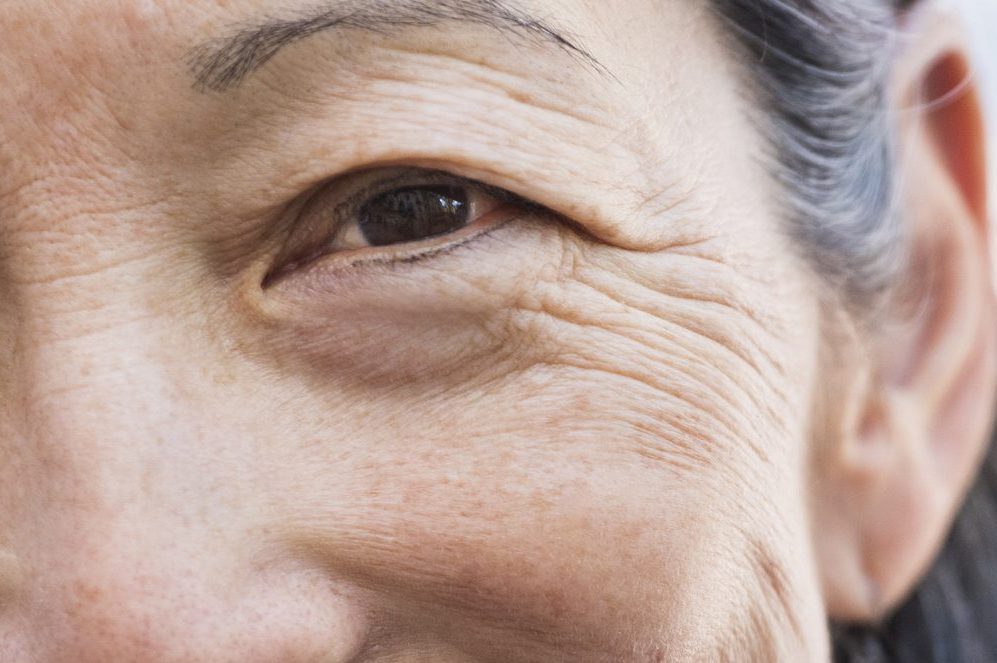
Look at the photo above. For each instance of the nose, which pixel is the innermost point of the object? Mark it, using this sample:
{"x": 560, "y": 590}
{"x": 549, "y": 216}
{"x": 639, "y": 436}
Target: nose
{"x": 135, "y": 528}
{"x": 138, "y": 598}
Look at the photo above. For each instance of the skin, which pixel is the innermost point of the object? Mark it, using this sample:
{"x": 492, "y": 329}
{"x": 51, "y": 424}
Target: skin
{"x": 584, "y": 436}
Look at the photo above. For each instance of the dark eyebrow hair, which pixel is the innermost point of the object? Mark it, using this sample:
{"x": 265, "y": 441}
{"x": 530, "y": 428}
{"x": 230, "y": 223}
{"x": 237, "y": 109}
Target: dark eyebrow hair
{"x": 222, "y": 64}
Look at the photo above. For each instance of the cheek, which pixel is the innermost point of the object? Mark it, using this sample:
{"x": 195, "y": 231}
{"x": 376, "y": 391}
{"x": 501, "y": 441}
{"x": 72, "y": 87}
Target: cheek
{"x": 553, "y": 523}
{"x": 540, "y": 449}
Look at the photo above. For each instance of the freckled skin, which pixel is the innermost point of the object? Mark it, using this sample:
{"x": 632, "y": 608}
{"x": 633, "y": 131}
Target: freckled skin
{"x": 581, "y": 437}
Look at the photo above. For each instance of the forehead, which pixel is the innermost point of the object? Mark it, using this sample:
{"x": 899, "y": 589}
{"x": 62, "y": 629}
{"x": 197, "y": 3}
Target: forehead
{"x": 74, "y": 30}
{"x": 57, "y": 56}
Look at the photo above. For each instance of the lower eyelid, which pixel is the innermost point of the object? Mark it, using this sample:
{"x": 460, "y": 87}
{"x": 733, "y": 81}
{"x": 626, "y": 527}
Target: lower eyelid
{"x": 353, "y": 261}
{"x": 433, "y": 246}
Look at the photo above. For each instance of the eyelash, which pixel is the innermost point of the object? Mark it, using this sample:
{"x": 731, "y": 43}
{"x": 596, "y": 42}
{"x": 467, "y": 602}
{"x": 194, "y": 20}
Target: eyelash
{"x": 347, "y": 210}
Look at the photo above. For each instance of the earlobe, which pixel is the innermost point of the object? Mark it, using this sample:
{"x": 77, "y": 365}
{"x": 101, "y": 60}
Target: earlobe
{"x": 918, "y": 417}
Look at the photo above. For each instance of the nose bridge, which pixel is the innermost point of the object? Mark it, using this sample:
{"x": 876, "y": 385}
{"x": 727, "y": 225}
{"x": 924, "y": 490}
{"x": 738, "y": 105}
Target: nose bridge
{"x": 106, "y": 438}
{"x": 97, "y": 396}
{"x": 135, "y": 531}
{"x": 108, "y": 412}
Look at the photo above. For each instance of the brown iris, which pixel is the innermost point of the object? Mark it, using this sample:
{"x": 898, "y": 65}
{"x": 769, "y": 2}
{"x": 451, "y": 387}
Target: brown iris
{"x": 413, "y": 213}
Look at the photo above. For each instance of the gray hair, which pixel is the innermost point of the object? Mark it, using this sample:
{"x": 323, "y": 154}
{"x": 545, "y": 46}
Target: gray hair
{"x": 819, "y": 70}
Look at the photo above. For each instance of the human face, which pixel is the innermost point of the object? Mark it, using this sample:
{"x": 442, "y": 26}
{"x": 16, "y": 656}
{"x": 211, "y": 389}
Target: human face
{"x": 570, "y": 423}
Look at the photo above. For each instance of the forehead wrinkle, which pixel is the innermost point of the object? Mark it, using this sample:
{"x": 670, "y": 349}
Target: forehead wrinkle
{"x": 220, "y": 64}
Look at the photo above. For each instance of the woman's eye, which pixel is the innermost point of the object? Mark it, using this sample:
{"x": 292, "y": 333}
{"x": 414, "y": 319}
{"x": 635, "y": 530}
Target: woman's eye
{"x": 411, "y": 214}
{"x": 393, "y": 214}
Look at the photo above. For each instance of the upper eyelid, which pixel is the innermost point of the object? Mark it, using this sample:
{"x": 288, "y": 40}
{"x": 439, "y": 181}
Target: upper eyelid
{"x": 414, "y": 177}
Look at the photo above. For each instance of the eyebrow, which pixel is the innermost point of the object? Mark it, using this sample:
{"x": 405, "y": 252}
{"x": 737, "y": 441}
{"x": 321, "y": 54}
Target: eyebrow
{"x": 222, "y": 64}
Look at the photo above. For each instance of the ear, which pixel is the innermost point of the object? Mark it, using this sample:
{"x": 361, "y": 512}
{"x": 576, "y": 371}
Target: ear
{"x": 914, "y": 404}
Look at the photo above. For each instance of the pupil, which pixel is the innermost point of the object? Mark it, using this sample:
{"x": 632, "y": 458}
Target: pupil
{"x": 412, "y": 214}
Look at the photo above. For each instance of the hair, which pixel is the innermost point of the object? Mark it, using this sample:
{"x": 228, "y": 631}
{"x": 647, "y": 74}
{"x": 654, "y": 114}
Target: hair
{"x": 819, "y": 70}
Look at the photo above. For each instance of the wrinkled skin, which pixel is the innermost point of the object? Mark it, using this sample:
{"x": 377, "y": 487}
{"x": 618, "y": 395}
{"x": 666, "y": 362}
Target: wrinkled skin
{"x": 580, "y": 437}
